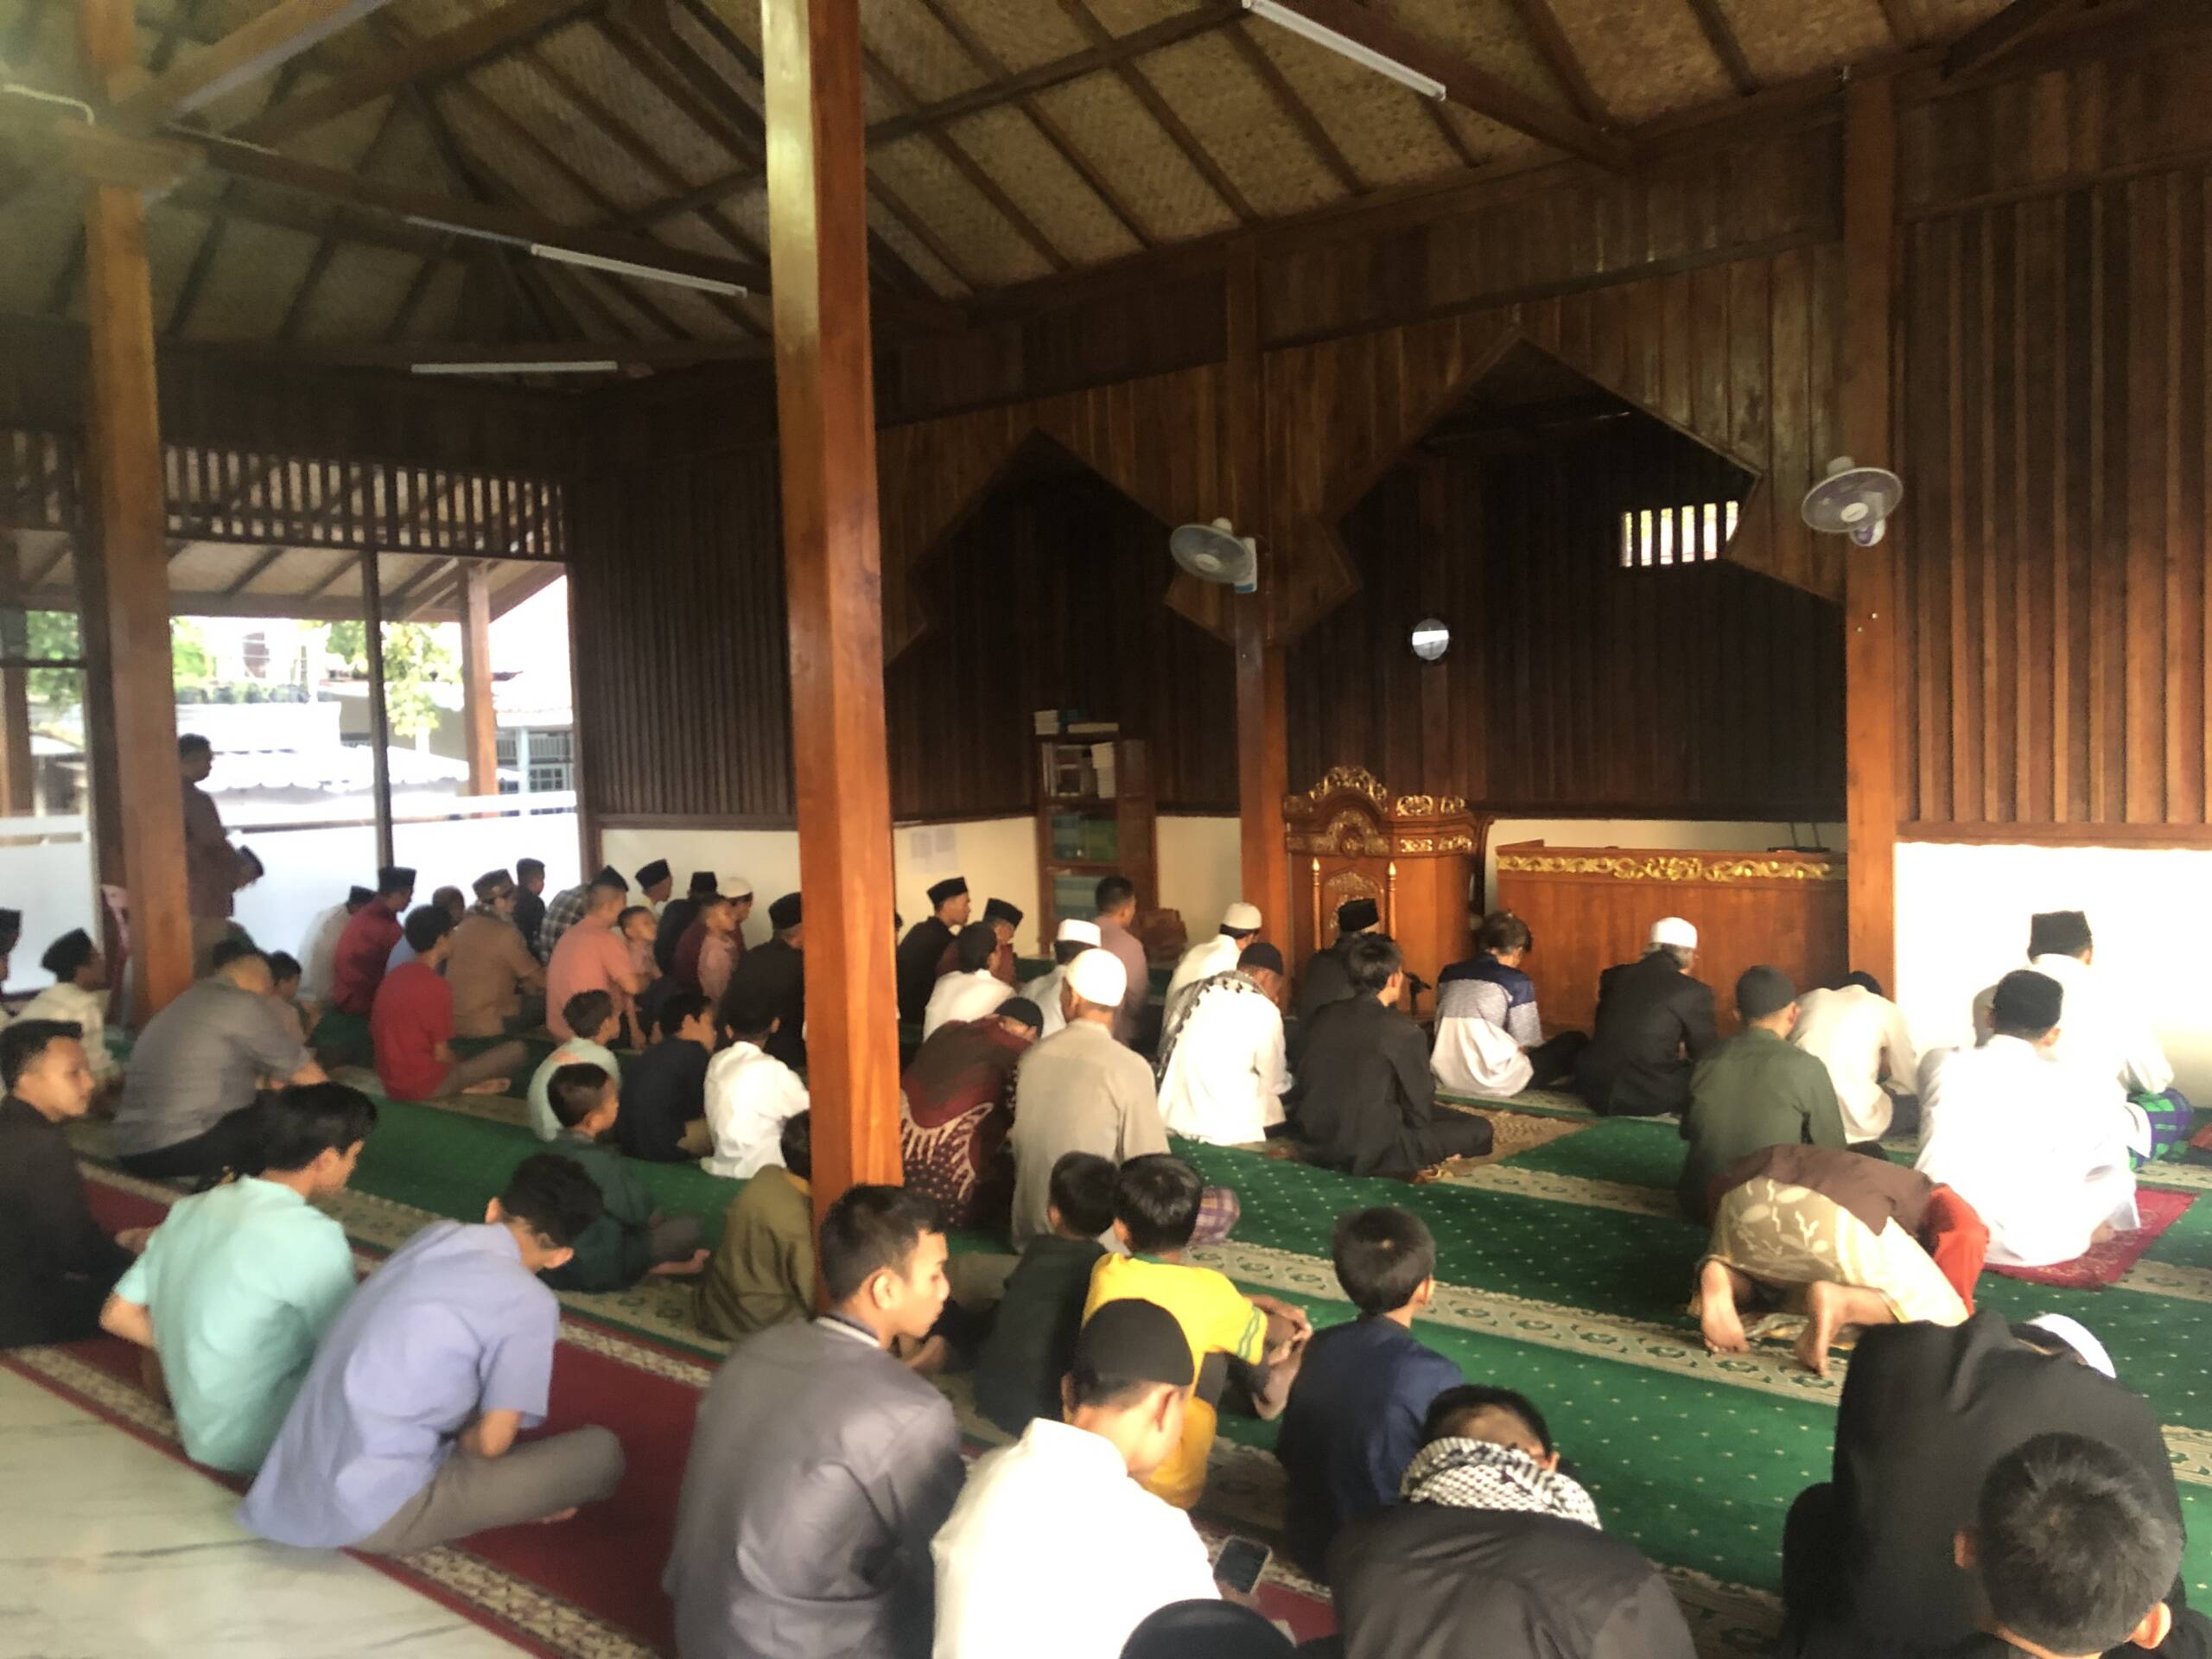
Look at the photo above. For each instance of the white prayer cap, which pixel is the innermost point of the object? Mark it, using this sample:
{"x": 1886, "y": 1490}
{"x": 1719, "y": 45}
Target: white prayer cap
{"x": 1098, "y": 977}
{"x": 1081, "y": 932}
{"x": 1241, "y": 918}
{"x": 739, "y": 887}
{"x": 2075, "y": 1335}
{"x": 1673, "y": 930}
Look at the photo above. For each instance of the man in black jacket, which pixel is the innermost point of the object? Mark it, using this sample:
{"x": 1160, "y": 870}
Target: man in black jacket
{"x": 1495, "y": 1551}
{"x": 1655, "y": 1023}
{"x": 1365, "y": 1100}
{"x": 921, "y": 951}
{"x": 56, "y": 1266}
{"x": 1928, "y": 1410}
{"x": 775, "y": 973}
{"x": 1327, "y": 976}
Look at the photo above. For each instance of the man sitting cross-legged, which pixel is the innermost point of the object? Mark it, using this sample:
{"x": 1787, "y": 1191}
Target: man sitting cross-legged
{"x": 1156, "y": 1202}
{"x": 238, "y": 1284}
{"x": 499, "y": 986}
{"x": 761, "y": 1272}
{"x": 1829, "y": 1234}
{"x": 2073, "y": 1553}
{"x": 749, "y": 1092}
{"x": 404, "y": 1434}
{"x": 632, "y": 1238}
{"x": 1019, "y": 1556}
{"x": 1755, "y": 1091}
{"x": 2014, "y": 1133}
{"x": 820, "y": 1466}
{"x": 1489, "y": 1038}
{"x": 1366, "y": 1103}
{"x": 56, "y": 1263}
{"x": 1221, "y": 1067}
{"x": 412, "y": 1029}
{"x": 1493, "y": 1537}
{"x": 1354, "y": 1420}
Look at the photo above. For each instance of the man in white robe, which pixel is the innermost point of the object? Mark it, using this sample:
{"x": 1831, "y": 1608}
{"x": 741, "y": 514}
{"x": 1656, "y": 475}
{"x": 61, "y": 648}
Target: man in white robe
{"x": 971, "y": 990}
{"x": 1222, "y": 1069}
{"x": 2105, "y": 1040}
{"x": 1240, "y": 925}
{"x": 1860, "y": 1036}
{"x": 1073, "y": 938}
{"x": 2010, "y": 1131}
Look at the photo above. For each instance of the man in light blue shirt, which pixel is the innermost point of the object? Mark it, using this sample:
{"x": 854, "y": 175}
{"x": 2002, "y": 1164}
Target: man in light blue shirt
{"x": 403, "y": 1435}
{"x": 238, "y": 1283}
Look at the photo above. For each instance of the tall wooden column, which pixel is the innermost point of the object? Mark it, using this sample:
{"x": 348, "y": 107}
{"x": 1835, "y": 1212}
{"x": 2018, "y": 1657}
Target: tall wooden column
{"x": 479, "y": 714}
{"x": 1262, "y": 745}
{"x": 1870, "y": 189}
{"x": 825, "y": 403}
{"x": 126, "y": 587}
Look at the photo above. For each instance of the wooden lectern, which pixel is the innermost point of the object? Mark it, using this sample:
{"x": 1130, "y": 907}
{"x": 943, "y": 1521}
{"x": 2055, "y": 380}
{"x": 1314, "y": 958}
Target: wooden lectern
{"x": 1419, "y": 857}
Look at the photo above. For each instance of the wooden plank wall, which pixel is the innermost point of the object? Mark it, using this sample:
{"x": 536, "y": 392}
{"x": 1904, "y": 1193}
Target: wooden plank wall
{"x": 1572, "y": 685}
{"x": 2055, "y": 550}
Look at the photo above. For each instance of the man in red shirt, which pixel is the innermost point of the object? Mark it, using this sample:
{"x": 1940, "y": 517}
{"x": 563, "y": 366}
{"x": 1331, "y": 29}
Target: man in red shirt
{"x": 411, "y": 1025}
{"x": 357, "y": 966}
{"x": 593, "y": 956}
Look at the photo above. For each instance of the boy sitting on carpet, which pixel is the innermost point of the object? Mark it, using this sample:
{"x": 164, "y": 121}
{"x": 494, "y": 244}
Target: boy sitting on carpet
{"x": 404, "y": 1434}
{"x": 1156, "y": 1200}
{"x": 1354, "y": 1420}
{"x": 631, "y": 1239}
{"x": 1032, "y": 1333}
{"x": 663, "y": 1096}
{"x": 238, "y": 1283}
{"x": 762, "y": 1272}
{"x": 591, "y": 1016}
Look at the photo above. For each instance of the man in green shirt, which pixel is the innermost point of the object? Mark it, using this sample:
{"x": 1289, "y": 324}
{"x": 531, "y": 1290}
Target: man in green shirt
{"x": 631, "y": 1239}
{"x": 762, "y": 1272}
{"x": 1755, "y": 1091}
{"x": 238, "y": 1283}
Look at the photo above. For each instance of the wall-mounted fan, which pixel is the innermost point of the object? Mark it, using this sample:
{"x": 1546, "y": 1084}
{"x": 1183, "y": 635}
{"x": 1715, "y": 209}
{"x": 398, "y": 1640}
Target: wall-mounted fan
{"x": 1853, "y": 500}
{"x": 1215, "y": 552}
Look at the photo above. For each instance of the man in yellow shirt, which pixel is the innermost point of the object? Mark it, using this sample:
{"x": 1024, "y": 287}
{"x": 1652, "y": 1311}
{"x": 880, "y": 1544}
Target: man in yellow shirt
{"x": 1156, "y": 1200}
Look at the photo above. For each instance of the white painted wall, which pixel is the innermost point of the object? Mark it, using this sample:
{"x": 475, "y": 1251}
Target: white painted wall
{"x": 1962, "y": 922}
{"x": 1690, "y": 835}
{"x": 768, "y": 858}
{"x": 997, "y": 856}
{"x": 1201, "y": 874}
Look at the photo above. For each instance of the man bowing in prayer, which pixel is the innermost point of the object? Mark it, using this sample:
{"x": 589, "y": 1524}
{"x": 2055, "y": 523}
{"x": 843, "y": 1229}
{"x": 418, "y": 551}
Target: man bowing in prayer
{"x": 925, "y": 943}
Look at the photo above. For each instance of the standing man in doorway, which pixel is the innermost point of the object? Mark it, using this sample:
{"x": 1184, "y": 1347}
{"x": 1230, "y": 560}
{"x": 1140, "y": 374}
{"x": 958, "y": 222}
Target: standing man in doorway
{"x": 1117, "y": 912}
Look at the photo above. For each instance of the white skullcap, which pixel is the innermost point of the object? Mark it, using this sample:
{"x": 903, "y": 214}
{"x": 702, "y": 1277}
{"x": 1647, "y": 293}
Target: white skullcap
{"x": 2075, "y": 1335}
{"x": 739, "y": 887}
{"x": 1098, "y": 977}
{"x": 1081, "y": 932}
{"x": 1241, "y": 918}
{"x": 1673, "y": 930}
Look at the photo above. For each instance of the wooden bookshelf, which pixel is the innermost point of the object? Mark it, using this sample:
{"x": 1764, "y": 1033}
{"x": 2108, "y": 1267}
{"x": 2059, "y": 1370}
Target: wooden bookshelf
{"x": 1095, "y": 819}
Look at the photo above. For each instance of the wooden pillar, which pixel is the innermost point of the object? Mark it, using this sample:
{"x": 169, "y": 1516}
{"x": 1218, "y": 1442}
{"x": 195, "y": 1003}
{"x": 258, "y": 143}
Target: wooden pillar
{"x": 825, "y": 401}
{"x": 1870, "y": 572}
{"x": 1262, "y": 745}
{"x": 126, "y": 587}
{"x": 18, "y": 782}
{"x": 380, "y": 714}
{"x": 479, "y": 716}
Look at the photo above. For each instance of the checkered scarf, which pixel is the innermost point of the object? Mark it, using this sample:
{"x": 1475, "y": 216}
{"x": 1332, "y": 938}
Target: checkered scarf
{"x": 1179, "y": 1015}
{"x": 1480, "y": 1475}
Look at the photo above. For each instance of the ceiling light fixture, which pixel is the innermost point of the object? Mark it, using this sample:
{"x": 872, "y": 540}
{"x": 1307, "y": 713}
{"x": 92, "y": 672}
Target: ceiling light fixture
{"x": 1366, "y": 56}
{"x": 589, "y": 261}
{"x": 606, "y": 366}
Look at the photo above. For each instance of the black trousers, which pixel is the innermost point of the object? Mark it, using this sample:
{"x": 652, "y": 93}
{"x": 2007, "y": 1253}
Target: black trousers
{"x": 231, "y": 1143}
{"x": 1553, "y": 1058}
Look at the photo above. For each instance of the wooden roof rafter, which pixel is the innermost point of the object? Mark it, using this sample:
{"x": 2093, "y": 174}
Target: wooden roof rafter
{"x": 1721, "y": 38}
{"x": 210, "y": 237}
{"x": 271, "y": 40}
{"x": 326, "y": 247}
{"x": 1296, "y": 110}
{"x": 1559, "y": 56}
{"x": 1993, "y": 37}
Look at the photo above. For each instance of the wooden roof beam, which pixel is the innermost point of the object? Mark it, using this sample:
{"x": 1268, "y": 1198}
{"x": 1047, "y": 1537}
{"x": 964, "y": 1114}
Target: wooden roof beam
{"x": 1994, "y": 37}
{"x": 1470, "y": 87}
{"x": 1725, "y": 47}
{"x": 244, "y": 56}
{"x": 451, "y": 52}
{"x": 1561, "y": 57}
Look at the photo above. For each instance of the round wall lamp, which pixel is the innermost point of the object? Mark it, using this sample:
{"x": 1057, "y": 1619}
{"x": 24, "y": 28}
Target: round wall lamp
{"x": 1432, "y": 638}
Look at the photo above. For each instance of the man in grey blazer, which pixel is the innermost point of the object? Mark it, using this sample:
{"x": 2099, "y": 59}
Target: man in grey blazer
{"x": 821, "y": 1466}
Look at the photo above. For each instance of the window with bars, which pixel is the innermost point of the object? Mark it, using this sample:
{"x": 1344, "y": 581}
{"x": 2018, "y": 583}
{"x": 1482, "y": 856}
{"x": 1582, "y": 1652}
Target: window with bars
{"x": 1692, "y": 533}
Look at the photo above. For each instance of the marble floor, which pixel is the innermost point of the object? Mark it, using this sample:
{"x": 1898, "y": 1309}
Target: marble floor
{"x": 110, "y": 1549}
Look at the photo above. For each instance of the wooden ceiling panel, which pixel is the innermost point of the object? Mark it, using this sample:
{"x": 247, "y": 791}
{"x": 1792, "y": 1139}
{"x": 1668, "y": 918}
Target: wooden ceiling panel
{"x": 585, "y": 54}
{"x": 927, "y": 61}
{"x": 942, "y": 281}
{"x": 1645, "y": 60}
{"x": 525, "y": 92}
{"x": 1230, "y": 111}
{"x": 1782, "y": 43}
{"x": 173, "y": 234}
{"x": 1127, "y": 17}
{"x": 1490, "y": 34}
{"x": 45, "y": 225}
{"x": 1387, "y": 135}
{"x": 432, "y": 316}
{"x": 1946, "y": 19}
{"x": 979, "y": 235}
{"x": 1045, "y": 186}
{"x": 253, "y": 267}
{"x": 1021, "y": 33}
{"x": 357, "y": 293}
{"x": 1100, "y": 113}
{"x": 514, "y": 163}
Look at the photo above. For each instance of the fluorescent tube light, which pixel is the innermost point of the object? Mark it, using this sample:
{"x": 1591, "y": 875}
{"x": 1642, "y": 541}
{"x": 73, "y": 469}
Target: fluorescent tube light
{"x": 1366, "y": 56}
{"x": 423, "y": 221}
{"x": 606, "y": 367}
{"x": 643, "y": 273}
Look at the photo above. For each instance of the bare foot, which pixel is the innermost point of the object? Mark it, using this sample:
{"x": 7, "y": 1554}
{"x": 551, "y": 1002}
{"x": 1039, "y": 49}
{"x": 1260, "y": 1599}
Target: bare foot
{"x": 558, "y": 1515}
{"x": 694, "y": 1262}
{"x": 489, "y": 1086}
{"x": 1824, "y": 1310}
{"x": 1723, "y": 1325}
{"x": 2103, "y": 1235}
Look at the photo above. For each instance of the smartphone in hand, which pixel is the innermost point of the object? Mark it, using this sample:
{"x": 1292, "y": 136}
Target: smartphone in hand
{"x": 1239, "y": 1564}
